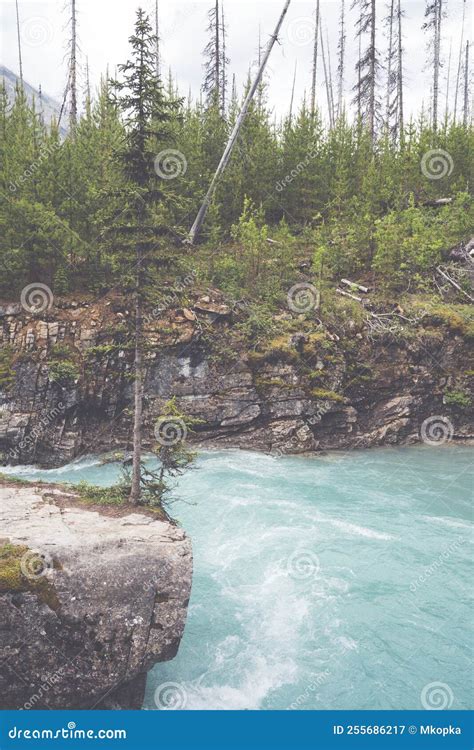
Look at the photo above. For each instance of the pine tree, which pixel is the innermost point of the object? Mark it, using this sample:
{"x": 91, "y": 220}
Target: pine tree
{"x": 141, "y": 98}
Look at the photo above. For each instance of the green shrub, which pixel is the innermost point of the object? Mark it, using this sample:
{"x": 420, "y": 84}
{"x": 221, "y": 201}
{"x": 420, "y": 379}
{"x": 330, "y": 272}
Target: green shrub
{"x": 63, "y": 372}
{"x": 457, "y": 398}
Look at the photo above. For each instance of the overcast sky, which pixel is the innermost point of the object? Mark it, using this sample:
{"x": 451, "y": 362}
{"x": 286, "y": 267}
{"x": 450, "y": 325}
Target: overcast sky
{"x": 105, "y": 25}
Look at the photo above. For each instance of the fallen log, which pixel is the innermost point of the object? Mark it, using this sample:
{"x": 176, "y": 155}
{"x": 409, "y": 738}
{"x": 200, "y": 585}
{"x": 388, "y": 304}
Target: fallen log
{"x": 348, "y": 294}
{"x": 353, "y": 285}
{"x": 453, "y": 283}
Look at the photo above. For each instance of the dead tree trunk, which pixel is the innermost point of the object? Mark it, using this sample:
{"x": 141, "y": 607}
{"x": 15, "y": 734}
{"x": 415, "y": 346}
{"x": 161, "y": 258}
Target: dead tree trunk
{"x": 466, "y": 88}
{"x": 390, "y": 59}
{"x": 342, "y": 54}
{"x": 157, "y": 41}
{"x": 195, "y": 229}
{"x": 401, "y": 122}
{"x": 315, "y": 62}
{"x": 326, "y": 79}
{"x": 73, "y": 68}
{"x": 218, "y": 53}
{"x": 461, "y": 50}
{"x": 373, "y": 72}
{"x": 293, "y": 93}
{"x": 224, "y": 63}
{"x": 20, "y": 60}
{"x": 331, "y": 87}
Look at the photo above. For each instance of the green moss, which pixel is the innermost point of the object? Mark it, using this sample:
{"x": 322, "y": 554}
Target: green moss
{"x": 13, "y": 580}
{"x": 457, "y": 398}
{"x": 271, "y": 383}
{"x": 315, "y": 340}
{"x": 458, "y": 318}
{"x": 323, "y": 395}
{"x": 7, "y": 373}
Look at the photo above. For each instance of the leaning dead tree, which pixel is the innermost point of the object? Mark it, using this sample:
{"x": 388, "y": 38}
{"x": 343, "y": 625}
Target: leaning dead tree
{"x": 195, "y": 229}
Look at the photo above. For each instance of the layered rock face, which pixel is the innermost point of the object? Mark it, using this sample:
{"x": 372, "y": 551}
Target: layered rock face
{"x": 71, "y": 381}
{"x": 88, "y": 603}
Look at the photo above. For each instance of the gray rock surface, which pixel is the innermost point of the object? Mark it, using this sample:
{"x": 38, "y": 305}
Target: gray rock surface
{"x": 117, "y": 590}
{"x": 311, "y": 392}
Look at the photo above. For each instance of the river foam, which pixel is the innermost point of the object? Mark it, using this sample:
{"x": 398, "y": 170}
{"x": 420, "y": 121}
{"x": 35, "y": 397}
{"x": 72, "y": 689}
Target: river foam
{"x": 332, "y": 582}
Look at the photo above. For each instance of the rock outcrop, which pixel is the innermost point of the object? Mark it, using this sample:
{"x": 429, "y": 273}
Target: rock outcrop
{"x": 66, "y": 379}
{"x": 88, "y": 602}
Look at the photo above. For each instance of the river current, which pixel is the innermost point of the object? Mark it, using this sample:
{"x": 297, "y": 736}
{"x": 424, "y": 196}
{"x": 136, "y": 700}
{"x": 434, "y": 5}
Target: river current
{"x": 335, "y": 582}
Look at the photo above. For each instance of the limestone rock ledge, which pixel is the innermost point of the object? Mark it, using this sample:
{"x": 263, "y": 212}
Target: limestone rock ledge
{"x": 110, "y": 601}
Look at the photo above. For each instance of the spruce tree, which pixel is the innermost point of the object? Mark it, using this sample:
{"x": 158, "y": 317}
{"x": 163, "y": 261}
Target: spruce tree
{"x": 147, "y": 114}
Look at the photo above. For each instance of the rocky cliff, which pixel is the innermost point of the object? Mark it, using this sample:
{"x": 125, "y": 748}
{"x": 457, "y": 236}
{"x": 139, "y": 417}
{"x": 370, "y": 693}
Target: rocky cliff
{"x": 88, "y": 602}
{"x": 66, "y": 378}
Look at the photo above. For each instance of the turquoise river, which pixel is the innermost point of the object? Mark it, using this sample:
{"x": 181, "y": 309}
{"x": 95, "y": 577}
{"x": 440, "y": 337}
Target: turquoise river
{"x": 333, "y": 582}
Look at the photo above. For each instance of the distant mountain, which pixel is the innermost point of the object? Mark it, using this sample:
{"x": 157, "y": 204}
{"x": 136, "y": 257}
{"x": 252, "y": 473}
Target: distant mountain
{"x": 50, "y": 108}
